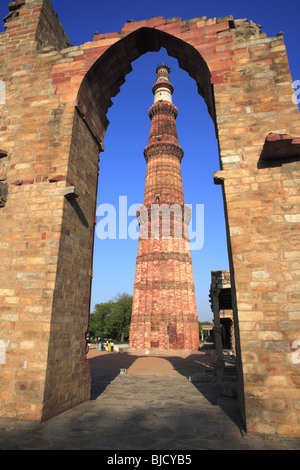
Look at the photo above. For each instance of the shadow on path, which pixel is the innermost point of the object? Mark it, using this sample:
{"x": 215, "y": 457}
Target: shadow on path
{"x": 152, "y": 407}
{"x": 105, "y": 367}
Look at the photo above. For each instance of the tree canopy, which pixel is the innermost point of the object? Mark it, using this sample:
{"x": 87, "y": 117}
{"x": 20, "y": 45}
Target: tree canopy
{"x": 111, "y": 320}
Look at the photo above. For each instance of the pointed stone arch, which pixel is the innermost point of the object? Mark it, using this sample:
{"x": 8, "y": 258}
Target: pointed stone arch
{"x": 105, "y": 77}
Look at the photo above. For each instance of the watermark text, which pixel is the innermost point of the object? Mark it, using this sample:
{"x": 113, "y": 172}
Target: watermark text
{"x": 160, "y": 220}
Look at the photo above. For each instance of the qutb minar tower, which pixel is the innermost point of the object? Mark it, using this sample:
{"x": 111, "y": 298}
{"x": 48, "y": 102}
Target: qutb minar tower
{"x": 164, "y": 314}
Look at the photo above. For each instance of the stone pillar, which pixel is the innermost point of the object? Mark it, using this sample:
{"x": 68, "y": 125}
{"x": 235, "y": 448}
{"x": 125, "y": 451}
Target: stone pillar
{"x": 217, "y": 330}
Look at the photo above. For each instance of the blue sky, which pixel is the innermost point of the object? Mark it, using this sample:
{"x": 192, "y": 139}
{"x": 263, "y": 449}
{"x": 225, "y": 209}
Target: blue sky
{"x": 122, "y": 166}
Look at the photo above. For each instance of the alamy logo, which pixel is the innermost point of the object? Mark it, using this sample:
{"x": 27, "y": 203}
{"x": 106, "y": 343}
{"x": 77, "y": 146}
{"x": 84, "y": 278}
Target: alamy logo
{"x": 2, "y": 352}
{"x": 295, "y": 347}
{"x": 296, "y": 94}
{"x": 138, "y": 227}
{"x": 2, "y": 92}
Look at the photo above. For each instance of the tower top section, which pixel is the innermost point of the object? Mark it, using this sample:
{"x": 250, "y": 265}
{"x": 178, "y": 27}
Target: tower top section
{"x": 162, "y": 88}
{"x": 163, "y": 68}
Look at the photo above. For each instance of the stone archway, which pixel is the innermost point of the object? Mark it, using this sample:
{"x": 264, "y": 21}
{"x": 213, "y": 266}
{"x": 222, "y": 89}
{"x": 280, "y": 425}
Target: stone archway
{"x": 51, "y": 138}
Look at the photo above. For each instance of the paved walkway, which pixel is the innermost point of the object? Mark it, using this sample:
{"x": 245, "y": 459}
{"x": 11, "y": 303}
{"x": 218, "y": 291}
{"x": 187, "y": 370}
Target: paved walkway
{"x": 152, "y": 407}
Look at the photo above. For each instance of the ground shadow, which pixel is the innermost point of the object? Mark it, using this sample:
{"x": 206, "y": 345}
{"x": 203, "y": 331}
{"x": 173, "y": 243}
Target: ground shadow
{"x": 147, "y": 420}
{"x": 104, "y": 369}
{"x": 198, "y": 368}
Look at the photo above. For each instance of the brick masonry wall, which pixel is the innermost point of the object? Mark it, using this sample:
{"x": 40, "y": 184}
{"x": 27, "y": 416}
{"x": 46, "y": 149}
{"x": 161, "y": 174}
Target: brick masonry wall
{"x": 44, "y": 300}
{"x": 264, "y": 228}
{"x": 245, "y": 80}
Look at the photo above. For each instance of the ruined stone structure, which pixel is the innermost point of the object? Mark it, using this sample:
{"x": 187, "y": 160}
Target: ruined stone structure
{"x": 221, "y": 305}
{"x": 53, "y": 123}
{"x": 164, "y": 313}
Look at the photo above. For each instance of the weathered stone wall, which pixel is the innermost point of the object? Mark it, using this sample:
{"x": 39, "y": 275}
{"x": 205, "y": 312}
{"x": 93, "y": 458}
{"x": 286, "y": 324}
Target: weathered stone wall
{"x": 265, "y": 238}
{"x": 45, "y": 270}
{"x": 52, "y": 90}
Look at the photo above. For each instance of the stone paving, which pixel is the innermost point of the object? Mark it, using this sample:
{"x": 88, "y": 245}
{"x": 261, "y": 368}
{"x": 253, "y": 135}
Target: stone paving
{"x": 142, "y": 412}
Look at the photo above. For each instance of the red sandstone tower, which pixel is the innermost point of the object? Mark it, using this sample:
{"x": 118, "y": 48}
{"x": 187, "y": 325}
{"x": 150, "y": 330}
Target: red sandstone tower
{"x": 164, "y": 314}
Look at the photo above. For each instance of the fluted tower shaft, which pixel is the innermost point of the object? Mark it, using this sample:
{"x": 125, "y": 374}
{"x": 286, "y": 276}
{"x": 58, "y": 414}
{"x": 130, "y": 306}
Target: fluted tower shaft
{"x": 164, "y": 314}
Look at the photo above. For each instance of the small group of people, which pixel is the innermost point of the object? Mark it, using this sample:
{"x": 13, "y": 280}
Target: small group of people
{"x": 107, "y": 346}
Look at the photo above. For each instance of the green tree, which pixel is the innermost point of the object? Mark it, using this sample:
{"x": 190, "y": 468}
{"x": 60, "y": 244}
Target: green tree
{"x": 119, "y": 320}
{"x": 200, "y": 328}
{"x": 112, "y": 319}
{"x": 98, "y": 319}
